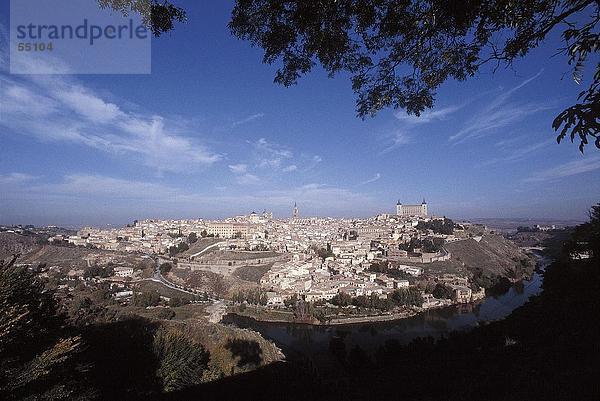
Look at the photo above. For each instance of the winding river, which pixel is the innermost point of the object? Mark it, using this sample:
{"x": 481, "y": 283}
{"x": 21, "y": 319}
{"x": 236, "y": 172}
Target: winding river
{"x": 299, "y": 340}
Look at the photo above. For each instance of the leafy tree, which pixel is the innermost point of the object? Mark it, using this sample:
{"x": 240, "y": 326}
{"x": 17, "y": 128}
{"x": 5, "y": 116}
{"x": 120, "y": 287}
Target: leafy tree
{"x": 165, "y": 314}
{"x": 342, "y": 299}
{"x": 400, "y": 52}
{"x": 442, "y": 292}
{"x": 181, "y": 247}
{"x": 386, "y": 268}
{"x": 413, "y": 244}
{"x": 83, "y": 310}
{"x": 181, "y": 363}
{"x": 407, "y": 297}
{"x": 165, "y": 268}
{"x": 325, "y": 253}
{"x": 586, "y": 237}
{"x": 158, "y": 15}
{"x": 291, "y": 301}
{"x": 36, "y": 352}
{"x": 176, "y": 301}
{"x": 432, "y": 245}
{"x": 146, "y": 298}
{"x": 192, "y": 238}
{"x": 97, "y": 271}
{"x": 445, "y": 226}
{"x": 361, "y": 301}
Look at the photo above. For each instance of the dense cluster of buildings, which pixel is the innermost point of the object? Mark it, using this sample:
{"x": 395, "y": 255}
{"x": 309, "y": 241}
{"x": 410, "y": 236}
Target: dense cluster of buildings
{"x": 323, "y": 256}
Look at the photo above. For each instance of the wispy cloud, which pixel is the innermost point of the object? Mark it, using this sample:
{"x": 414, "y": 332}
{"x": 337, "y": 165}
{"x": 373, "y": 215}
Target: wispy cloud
{"x": 429, "y": 115}
{"x": 247, "y": 179}
{"x": 238, "y": 168}
{"x": 84, "y": 185}
{"x": 569, "y": 169}
{"x": 376, "y": 177}
{"x": 78, "y": 189}
{"x": 402, "y": 135}
{"x": 242, "y": 176}
{"x": 15, "y": 178}
{"x": 268, "y": 162}
{"x": 499, "y": 113}
{"x": 272, "y": 148}
{"x": 247, "y": 119}
{"x": 398, "y": 138}
{"x": 513, "y": 154}
{"x": 55, "y": 108}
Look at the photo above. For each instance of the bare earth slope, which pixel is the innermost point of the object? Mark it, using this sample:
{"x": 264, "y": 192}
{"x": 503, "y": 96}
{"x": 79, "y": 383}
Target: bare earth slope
{"x": 12, "y": 243}
{"x": 493, "y": 254}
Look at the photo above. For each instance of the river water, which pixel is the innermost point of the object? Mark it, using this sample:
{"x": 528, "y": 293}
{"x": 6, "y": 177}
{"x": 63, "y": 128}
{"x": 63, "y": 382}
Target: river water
{"x": 300, "y": 340}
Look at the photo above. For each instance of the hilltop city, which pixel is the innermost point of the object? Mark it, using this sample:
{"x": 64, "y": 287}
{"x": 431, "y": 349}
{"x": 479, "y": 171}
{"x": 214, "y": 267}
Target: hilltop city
{"x": 389, "y": 266}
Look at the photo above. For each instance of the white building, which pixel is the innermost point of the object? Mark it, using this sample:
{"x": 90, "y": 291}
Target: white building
{"x": 411, "y": 210}
{"x": 123, "y": 271}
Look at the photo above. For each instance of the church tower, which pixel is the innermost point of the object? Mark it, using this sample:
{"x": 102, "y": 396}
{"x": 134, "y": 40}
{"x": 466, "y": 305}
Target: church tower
{"x": 424, "y": 207}
{"x": 295, "y": 212}
{"x": 398, "y": 208}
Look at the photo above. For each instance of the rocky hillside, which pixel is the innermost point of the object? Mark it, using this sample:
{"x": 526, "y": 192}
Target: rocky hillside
{"x": 13, "y": 243}
{"x": 493, "y": 254}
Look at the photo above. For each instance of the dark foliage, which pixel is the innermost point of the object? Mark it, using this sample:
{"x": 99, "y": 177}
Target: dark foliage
{"x": 248, "y": 353}
{"x": 165, "y": 268}
{"x": 442, "y": 292}
{"x": 158, "y": 16}
{"x": 98, "y": 271}
{"x": 386, "y": 268}
{"x": 181, "y": 363}
{"x": 445, "y": 226}
{"x": 181, "y": 247}
{"x": 36, "y": 348}
{"x": 146, "y": 298}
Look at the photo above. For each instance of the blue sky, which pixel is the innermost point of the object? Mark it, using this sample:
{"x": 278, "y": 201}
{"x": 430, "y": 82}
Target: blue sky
{"x": 208, "y": 134}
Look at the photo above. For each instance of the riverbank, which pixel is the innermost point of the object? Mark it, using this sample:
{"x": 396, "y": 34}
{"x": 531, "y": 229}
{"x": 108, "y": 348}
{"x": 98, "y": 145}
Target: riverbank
{"x": 271, "y": 315}
{"x": 264, "y": 318}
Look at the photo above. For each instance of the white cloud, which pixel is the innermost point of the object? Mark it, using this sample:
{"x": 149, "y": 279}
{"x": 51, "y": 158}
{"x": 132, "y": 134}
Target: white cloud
{"x": 575, "y": 167}
{"x": 247, "y": 179}
{"x": 497, "y": 114}
{"x": 514, "y": 154}
{"x": 88, "y": 105}
{"x": 376, "y": 177}
{"x": 402, "y": 135}
{"x": 428, "y": 115}
{"x": 290, "y": 168}
{"x": 15, "y": 178}
{"x": 399, "y": 138}
{"x": 271, "y": 148}
{"x": 54, "y": 108}
{"x": 238, "y": 168}
{"x": 114, "y": 188}
{"x": 79, "y": 189}
{"x": 310, "y": 162}
{"x": 247, "y": 119}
